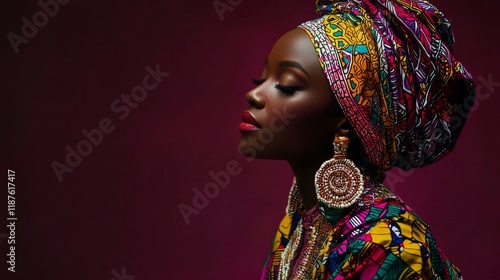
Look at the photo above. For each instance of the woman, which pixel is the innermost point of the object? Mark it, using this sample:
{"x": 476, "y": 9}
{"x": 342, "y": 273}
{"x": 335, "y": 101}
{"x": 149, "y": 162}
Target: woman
{"x": 378, "y": 78}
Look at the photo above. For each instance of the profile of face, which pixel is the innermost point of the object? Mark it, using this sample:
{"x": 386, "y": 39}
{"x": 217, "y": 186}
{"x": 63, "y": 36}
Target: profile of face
{"x": 292, "y": 114}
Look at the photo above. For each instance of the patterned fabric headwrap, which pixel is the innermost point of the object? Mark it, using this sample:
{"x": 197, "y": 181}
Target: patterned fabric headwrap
{"x": 391, "y": 67}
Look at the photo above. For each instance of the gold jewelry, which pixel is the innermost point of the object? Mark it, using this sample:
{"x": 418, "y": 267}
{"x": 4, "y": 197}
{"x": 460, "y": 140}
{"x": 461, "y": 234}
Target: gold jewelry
{"x": 339, "y": 182}
{"x": 297, "y": 262}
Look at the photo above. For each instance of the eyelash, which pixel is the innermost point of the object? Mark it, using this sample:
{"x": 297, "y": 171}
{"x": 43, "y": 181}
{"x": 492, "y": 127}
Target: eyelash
{"x": 258, "y": 81}
{"x": 284, "y": 89}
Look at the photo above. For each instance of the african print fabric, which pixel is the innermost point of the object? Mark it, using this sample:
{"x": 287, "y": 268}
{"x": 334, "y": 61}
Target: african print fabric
{"x": 391, "y": 67}
{"x": 378, "y": 238}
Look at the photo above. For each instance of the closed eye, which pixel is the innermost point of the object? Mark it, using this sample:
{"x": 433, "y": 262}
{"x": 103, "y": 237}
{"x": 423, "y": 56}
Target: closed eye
{"x": 286, "y": 89}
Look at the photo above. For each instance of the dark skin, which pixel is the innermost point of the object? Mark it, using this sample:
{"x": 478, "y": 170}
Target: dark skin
{"x": 294, "y": 82}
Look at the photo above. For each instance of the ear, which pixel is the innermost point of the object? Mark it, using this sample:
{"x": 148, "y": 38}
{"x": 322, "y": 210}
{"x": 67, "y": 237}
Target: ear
{"x": 338, "y": 123}
{"x": 345, "y": 129}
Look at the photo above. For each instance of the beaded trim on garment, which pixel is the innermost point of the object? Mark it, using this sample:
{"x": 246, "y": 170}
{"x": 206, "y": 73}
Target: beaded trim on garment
{"x": 322, "y": 231}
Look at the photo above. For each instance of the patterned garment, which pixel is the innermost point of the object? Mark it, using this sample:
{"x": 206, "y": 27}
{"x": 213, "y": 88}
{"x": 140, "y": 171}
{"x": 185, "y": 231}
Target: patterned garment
{"x": 391, "y": 67}
{"x": 379, "y": 238}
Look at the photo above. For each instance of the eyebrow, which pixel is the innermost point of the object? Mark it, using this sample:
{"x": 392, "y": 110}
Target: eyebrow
{"x": 294, "y": 64}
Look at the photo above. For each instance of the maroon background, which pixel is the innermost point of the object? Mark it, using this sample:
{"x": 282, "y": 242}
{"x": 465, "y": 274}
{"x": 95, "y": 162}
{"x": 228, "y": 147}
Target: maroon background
{"x": 119, "y": 207}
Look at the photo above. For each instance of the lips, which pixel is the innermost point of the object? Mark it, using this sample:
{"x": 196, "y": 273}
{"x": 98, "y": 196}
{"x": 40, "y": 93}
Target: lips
{"x": 249, "y": 123}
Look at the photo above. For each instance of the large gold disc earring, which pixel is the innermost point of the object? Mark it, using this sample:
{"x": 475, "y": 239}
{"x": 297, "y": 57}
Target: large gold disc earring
{"x": 339, "y": 182}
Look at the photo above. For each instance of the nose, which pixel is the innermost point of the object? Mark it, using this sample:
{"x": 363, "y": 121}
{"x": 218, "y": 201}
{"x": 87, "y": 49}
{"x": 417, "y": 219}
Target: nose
{"x": 255, "y": 97}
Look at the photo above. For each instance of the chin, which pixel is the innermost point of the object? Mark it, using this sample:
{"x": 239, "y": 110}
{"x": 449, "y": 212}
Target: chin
{"x": 274, "y": 150}
{"x": 246, "y": 149}
{"x": 252, "y": 152}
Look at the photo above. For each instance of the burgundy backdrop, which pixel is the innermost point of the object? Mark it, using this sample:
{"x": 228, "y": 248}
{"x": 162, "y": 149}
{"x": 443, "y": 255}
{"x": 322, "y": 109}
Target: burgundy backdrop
{"x": 116, "y": 215}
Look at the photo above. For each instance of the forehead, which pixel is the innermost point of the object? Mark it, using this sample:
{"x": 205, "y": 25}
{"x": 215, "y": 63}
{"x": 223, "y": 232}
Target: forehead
{"x": 296, "y": 46}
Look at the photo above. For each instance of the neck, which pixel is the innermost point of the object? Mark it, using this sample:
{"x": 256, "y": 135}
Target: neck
{"x": 305, "y": 171}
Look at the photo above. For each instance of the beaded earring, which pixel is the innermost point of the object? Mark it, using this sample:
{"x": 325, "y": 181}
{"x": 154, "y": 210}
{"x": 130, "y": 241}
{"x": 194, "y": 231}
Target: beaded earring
{"x": 339, "y": 182}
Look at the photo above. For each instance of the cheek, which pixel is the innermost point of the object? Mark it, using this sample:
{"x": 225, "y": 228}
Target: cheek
{"x": 307, "y": 128}
{"x": 308, "y": 133}
{"x": 291, "y": 128}
{"x": 313, "y": 115}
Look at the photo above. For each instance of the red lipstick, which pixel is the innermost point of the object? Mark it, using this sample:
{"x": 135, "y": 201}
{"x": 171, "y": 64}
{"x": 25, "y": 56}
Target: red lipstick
{"x": 249, "y": 123}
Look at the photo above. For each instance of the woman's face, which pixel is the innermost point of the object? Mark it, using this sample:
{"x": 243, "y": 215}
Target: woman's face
{"x": 293, "y": 113}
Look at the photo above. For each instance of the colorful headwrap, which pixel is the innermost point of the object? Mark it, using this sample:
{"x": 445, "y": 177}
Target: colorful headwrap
{"x": 391, "y": 67}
